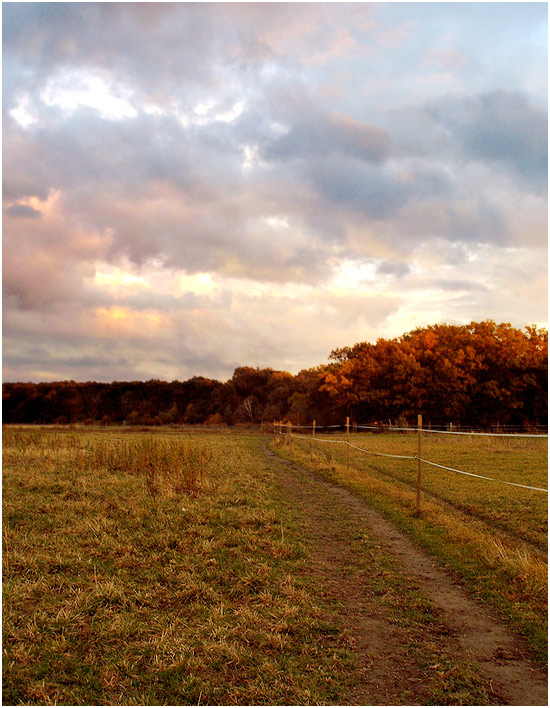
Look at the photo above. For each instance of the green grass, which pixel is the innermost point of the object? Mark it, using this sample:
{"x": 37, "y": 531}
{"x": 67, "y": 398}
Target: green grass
{"x": 521, "y": 512}
{"x": 467, "y": 533}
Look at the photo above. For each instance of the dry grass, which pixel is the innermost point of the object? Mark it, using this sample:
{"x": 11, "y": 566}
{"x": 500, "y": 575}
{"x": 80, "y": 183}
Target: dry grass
{"x": 143, "y": 569}
{"x": 166, "y": 568}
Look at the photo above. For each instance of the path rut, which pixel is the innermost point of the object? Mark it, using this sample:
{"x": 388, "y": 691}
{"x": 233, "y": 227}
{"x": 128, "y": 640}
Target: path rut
{"x": 503, "y": 658}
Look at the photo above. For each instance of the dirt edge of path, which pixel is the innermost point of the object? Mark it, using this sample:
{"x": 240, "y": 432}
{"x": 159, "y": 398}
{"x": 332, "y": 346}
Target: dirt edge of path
{"x": 503, "y": 658}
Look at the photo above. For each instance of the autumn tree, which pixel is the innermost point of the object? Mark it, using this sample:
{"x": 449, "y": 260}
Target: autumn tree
{"x": 481, "y": 373}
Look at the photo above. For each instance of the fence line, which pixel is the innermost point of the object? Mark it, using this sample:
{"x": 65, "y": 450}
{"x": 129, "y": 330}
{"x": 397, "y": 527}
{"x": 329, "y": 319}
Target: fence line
{"x": 303, "y": 437}
{"x": 493, "y": 435}
{"x": 455, "y": 432}
{"x": 309, "y": 427}
{"x": 389, "y": 428}
{"x": 278, "y": 428}
{"x": 345, "y": 442}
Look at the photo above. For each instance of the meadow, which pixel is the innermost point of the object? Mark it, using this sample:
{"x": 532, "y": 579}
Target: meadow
{"x": 494, "y": 536}
{"x": 147, "y": 569}
{"x": 169, "y": 567}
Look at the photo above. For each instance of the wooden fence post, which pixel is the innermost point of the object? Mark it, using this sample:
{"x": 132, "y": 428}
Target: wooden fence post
{"x": 347, "y": 446}
{"x": 311, "y": 443}
{"x": 290, "y": 435}
{"x": 419, "y": 461}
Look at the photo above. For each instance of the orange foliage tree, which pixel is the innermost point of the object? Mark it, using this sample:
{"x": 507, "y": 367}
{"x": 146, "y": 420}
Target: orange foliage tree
{"x": 479, "y": 373}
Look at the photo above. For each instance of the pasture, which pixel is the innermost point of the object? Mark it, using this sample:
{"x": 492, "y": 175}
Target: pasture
{"x": 146, "y": 569}
{"x": 170, "y": 567}
{"x": 494, "y": 536}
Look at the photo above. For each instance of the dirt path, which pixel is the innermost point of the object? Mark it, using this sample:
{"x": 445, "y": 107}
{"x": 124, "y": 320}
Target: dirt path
{"x": 389, "y": 674}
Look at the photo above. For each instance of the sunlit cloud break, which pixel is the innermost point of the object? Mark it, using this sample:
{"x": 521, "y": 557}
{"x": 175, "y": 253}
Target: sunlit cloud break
{"x": 190, "y": 187}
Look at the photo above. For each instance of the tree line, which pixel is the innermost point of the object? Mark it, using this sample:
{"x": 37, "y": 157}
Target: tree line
{"x": 482, "y": 373}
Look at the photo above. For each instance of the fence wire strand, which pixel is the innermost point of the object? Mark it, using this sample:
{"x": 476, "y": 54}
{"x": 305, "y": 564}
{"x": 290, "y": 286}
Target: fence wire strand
{"x": 304, "y": 437}
{"x": 480, "y": 476}
{"x": 380, "y": 454}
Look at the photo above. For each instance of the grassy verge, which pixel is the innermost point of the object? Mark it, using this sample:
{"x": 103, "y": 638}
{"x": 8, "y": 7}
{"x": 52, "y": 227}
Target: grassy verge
{"x": 503, "y": 573}
{"x": 518, "y": 512}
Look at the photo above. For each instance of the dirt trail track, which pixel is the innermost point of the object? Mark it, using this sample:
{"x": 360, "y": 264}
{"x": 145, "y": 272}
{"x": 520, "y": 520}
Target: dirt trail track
{"x": 474, "y": 635}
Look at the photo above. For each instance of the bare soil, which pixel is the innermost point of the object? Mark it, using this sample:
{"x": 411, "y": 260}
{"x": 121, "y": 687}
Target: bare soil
{"x": 389, "y": 673}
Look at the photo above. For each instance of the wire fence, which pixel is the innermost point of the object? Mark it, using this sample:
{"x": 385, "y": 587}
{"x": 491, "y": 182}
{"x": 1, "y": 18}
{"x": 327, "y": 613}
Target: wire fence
{"x": 391, "y": 428}
{"x": 286, "y": 429}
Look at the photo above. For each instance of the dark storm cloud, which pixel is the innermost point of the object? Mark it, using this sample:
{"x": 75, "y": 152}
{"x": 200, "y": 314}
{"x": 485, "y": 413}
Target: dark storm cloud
{"x": 503, "y": 126}
{"x": 87, "y": 150}
{"x": 25, "y": 168}
{"x": 375, "y": 192}
{"x": 329, "y": 135}
{"x": 86, "y": 34}
{"x": 499, "y": 128}
{"x": 351, "y": 183}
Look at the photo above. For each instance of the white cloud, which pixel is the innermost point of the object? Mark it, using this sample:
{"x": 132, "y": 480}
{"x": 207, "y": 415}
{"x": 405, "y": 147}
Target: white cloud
{"x": 71, "y": 90}
{"x": 23, "y": 113}
{"x": 118, "y": 281}
{"x": 198, "y": 283}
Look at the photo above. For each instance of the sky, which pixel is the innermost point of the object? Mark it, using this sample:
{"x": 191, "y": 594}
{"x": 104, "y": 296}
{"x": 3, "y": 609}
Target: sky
{"x": 193, "y": 187}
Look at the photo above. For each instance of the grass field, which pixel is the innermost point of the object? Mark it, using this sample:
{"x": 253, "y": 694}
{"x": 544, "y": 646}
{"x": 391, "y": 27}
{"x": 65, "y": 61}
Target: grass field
{"x": 144, "y": 569}
{"x": 493, "y": 535}
{"x": 169, "y": 568}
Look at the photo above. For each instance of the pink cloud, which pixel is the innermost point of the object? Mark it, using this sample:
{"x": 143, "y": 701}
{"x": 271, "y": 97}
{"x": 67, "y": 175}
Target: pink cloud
{"x": 393, "y": 37}
{"x": 447, "y": 57}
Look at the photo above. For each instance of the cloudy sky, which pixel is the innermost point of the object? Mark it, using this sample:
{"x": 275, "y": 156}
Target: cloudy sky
{"x": 191, "y": 187}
